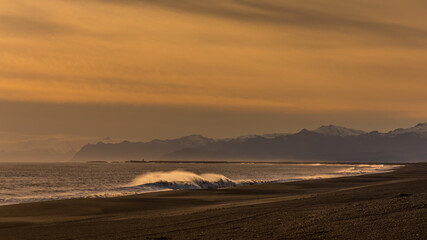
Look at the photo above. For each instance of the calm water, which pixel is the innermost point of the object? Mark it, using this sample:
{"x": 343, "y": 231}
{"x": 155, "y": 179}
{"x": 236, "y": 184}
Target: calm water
{"x": 31, "y": 182}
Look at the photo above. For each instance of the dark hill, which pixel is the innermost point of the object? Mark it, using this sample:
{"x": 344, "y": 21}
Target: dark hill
{"x": 328, "y": 143}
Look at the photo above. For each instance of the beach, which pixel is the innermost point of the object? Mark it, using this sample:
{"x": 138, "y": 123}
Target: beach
{"x": 389, "y": 205}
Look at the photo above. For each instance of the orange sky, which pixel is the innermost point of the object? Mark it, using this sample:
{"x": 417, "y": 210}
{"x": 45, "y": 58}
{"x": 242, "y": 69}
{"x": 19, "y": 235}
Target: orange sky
{"x": 360, "y": 63}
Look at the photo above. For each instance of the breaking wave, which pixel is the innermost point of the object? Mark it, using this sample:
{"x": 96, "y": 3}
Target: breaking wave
{"x": 178, "y": 179}
{"x": 365, "y": 169}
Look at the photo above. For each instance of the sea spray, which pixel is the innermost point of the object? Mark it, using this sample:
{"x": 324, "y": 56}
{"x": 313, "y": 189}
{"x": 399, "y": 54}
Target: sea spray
{"x": 179, "y": 179}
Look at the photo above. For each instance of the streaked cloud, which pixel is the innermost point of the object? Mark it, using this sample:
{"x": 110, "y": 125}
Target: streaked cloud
{"x": 298, "y": 57}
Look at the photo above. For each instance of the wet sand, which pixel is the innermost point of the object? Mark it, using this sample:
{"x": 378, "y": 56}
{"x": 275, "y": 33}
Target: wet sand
{"x": 377, "y": 206}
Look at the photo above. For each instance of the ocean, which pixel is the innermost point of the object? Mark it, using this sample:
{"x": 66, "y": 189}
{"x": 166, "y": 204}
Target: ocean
{"x": 34, "y": 182}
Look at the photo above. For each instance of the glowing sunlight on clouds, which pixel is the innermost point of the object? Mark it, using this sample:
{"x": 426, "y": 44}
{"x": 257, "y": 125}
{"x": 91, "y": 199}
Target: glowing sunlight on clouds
{"x": 261, "y": 55}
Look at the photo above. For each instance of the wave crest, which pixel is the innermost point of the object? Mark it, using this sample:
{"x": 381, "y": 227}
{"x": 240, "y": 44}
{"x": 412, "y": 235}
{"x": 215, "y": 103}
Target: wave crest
{"x": 178, "y": 179}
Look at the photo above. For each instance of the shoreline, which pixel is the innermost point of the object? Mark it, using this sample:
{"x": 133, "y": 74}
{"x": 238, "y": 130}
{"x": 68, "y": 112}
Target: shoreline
{"x": 395, "y": 200}
{"x": 250, "y": 182}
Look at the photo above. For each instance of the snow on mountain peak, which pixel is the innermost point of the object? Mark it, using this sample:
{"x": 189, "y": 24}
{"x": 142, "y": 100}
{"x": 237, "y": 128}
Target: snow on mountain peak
{"x": 420, "y": 128}
{"x": 332, "y": 130}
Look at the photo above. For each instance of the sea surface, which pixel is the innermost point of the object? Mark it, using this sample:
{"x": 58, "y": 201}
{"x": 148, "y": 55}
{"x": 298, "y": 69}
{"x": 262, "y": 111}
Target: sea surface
{"x": 33, "y": 182}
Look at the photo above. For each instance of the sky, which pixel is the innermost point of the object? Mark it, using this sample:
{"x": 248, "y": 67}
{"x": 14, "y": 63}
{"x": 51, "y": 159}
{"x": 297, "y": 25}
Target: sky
{"x": 143, "y": 69}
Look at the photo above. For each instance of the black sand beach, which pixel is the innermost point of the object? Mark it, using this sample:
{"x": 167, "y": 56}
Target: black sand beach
{"x": 377, "y": 206}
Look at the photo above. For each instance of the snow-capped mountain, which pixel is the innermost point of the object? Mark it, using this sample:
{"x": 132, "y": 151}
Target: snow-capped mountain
{"x": 332, "y": 130}
{"x": 420, "y": 129}
{"x": 327, "y": 143}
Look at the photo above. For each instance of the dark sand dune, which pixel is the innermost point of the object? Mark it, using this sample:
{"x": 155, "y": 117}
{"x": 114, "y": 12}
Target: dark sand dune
{"x": 378, "y": 206}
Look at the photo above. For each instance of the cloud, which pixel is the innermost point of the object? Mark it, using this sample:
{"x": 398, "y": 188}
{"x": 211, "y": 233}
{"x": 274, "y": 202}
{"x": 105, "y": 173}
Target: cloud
{"x": 281, "y": 56}
{"x": 314, "y": 16}
{"x": 30, "y": 26}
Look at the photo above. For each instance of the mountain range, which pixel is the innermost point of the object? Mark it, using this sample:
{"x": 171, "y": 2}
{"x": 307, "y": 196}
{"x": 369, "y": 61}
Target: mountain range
{"x": 327, "y": 143}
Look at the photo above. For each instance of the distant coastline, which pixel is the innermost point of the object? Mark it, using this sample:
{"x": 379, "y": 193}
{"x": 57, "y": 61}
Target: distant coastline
{"x": 261, "y": 162}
